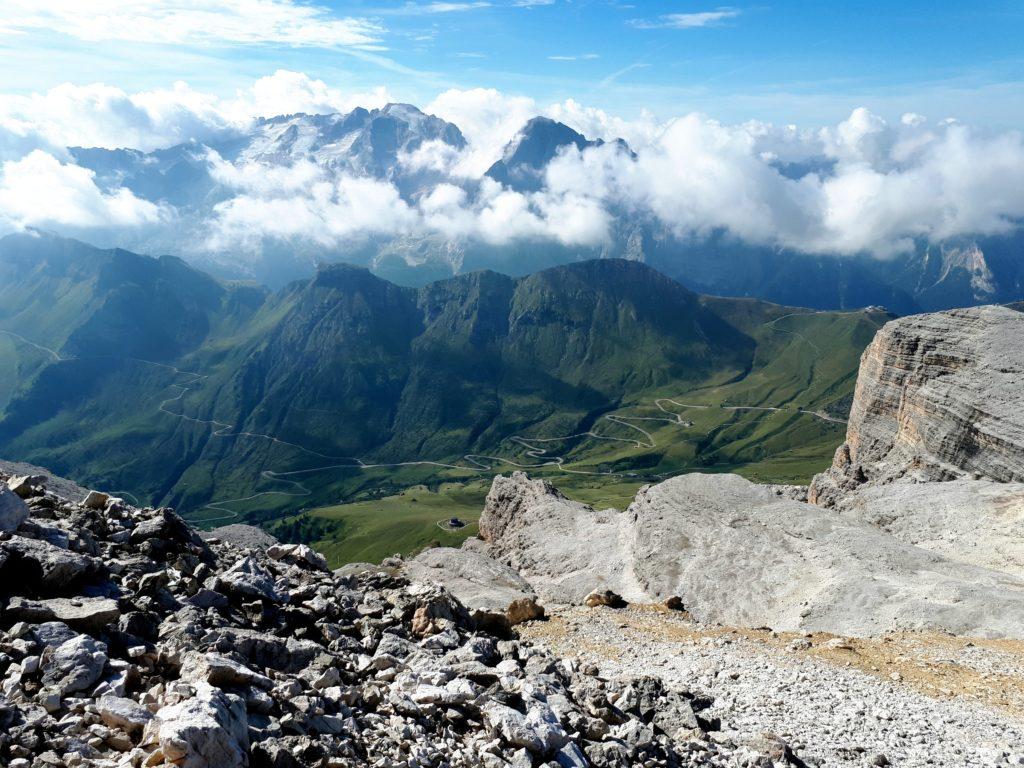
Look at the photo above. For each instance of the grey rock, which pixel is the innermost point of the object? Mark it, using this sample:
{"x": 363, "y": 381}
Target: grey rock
{"x": 13, "y": 510}
{"x": 220, "y": 671}
{"x": 938, "y": 396}
{"x": 75, "y": 665}
{"x": 248, "y": 579}
{"x": 87, "y": 614}
{"x": 826, "y": 572}
{"x": 119, "y": 712}
{"x": 96, "y": 500}
{"x": 27, "y": 486}
{"x": 241, "y": 535}
{"x": 54, "y": 568}
{"x": 53, "y": 633}
{"x": 208, "y": 730}
{"x": 480, "y": 582}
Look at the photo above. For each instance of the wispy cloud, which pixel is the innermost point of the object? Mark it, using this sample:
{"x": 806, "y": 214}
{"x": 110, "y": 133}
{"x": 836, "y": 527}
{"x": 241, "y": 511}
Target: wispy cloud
{"x": 246, "y": 22}
{"x": 581, "y": 57}
{"x": 619, "y": 73}
{"x": 443, "y": 7}
{"x": 532, "y": 3}
{"x": 686, "y": 20}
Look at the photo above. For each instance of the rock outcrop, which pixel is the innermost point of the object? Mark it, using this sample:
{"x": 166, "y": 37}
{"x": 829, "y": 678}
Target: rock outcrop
{"x": 736, "y": 553}
{"x": 128, "y": 640}
{"x": 938, "y": 397}
{"x": 934, "y": 452}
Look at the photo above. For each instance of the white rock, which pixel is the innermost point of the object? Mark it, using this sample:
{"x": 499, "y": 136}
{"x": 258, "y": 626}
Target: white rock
{"x": 208, "y": 730}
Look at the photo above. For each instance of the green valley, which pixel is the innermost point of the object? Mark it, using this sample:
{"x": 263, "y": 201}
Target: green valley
{"x": 355, "y": 413}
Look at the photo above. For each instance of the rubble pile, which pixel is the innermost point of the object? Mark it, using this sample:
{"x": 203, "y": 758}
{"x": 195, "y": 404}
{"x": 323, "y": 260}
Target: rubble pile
{"x": 126, "y": 639}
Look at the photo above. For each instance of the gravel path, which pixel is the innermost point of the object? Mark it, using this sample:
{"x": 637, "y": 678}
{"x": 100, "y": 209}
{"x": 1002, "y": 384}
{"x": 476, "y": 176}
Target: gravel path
{"x": 906, "y": 700}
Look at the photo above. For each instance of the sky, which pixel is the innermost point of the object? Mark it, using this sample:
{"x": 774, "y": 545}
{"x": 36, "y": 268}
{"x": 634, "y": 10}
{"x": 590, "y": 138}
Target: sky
{"x": 786, "y": 61}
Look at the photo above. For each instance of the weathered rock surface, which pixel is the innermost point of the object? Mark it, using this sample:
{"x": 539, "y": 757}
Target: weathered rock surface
{"x": 479, "y": 581}
{"x": 174, "y": 651}
{"x": 938, "y": 397}
{"x": 934, "y": 452}
{"x": 972, "y": 521}
{"x": 13, "y": 510}
{"x": 738, "y": 554}
{"x": 207, "y": 729}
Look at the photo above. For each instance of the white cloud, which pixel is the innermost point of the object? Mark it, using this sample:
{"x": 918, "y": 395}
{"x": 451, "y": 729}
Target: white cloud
{"x": 99, "y": 115}
{"x": 487, "y": 118}
{"x": 888, "y": 186}
{"x": 326, "y": 212}
{"x": 863, "y": 185}
{"x": 286, "y": 92}
{"x": 687, "y": 20}
{"x": 39, "y": 190}
{"x": 247, "y": 22}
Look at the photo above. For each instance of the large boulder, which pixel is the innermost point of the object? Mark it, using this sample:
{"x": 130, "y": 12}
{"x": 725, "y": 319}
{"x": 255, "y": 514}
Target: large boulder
{"x": 43, "y": 567}
{"x": 87, "y": 614}
{"x": 75, "y": 665}
{"x": 563, "y": 548}
{"x": 480, "y": 582}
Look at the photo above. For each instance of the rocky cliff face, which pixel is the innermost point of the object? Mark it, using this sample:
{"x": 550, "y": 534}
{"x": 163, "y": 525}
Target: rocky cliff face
{"x": 938, "y": 397}
{"x": 126, "y": 639}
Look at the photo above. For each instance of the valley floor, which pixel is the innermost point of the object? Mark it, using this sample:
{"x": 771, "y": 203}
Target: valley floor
{"x": 904, "y": 700}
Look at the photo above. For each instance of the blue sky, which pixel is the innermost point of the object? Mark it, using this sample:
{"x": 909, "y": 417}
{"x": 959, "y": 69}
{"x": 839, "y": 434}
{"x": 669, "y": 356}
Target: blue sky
{"x": 784, "y": 61}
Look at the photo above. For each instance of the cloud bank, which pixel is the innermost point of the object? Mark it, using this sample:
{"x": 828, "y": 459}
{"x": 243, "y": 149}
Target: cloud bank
{"x": 863, "y": 186}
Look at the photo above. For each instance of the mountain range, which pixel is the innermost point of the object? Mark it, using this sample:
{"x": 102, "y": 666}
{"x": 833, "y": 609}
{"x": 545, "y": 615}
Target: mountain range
{"x": 385, "y": 145}
{"x": 147, "y": 375}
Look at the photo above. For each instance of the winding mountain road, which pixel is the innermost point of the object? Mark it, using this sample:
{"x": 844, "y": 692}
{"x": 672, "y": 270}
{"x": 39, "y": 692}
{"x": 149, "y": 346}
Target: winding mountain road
{"x": 533, "y": 447}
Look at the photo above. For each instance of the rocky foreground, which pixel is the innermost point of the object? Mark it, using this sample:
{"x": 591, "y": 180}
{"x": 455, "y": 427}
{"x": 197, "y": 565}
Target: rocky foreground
{"x": 126, "y": 639}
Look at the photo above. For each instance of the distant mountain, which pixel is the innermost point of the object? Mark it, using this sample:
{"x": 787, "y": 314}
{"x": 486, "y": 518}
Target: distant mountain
{"x": 385, "y": 144}
{"x": 149, "y": 375}
{"x": 362, "y": 142}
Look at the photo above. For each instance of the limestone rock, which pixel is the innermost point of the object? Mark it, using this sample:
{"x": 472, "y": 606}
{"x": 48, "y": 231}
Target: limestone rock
{"x": 208, "y": 730}
{"x": 938, "y": 397}
{"x": 27, "y": 486}
{"x": 95, "y": 500}
{"x": 75, "y": 665}
{"x": 43, "y": 565}
{"x": 87, "y": 614}
{"x": 119, "y": 712}
{"x": 242, "y": 535}
{"x": 479, "y": 581}
{"x": 563, "y": 548}
{"x": 13, "y": 510}
{"x": 790, "y": 565}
